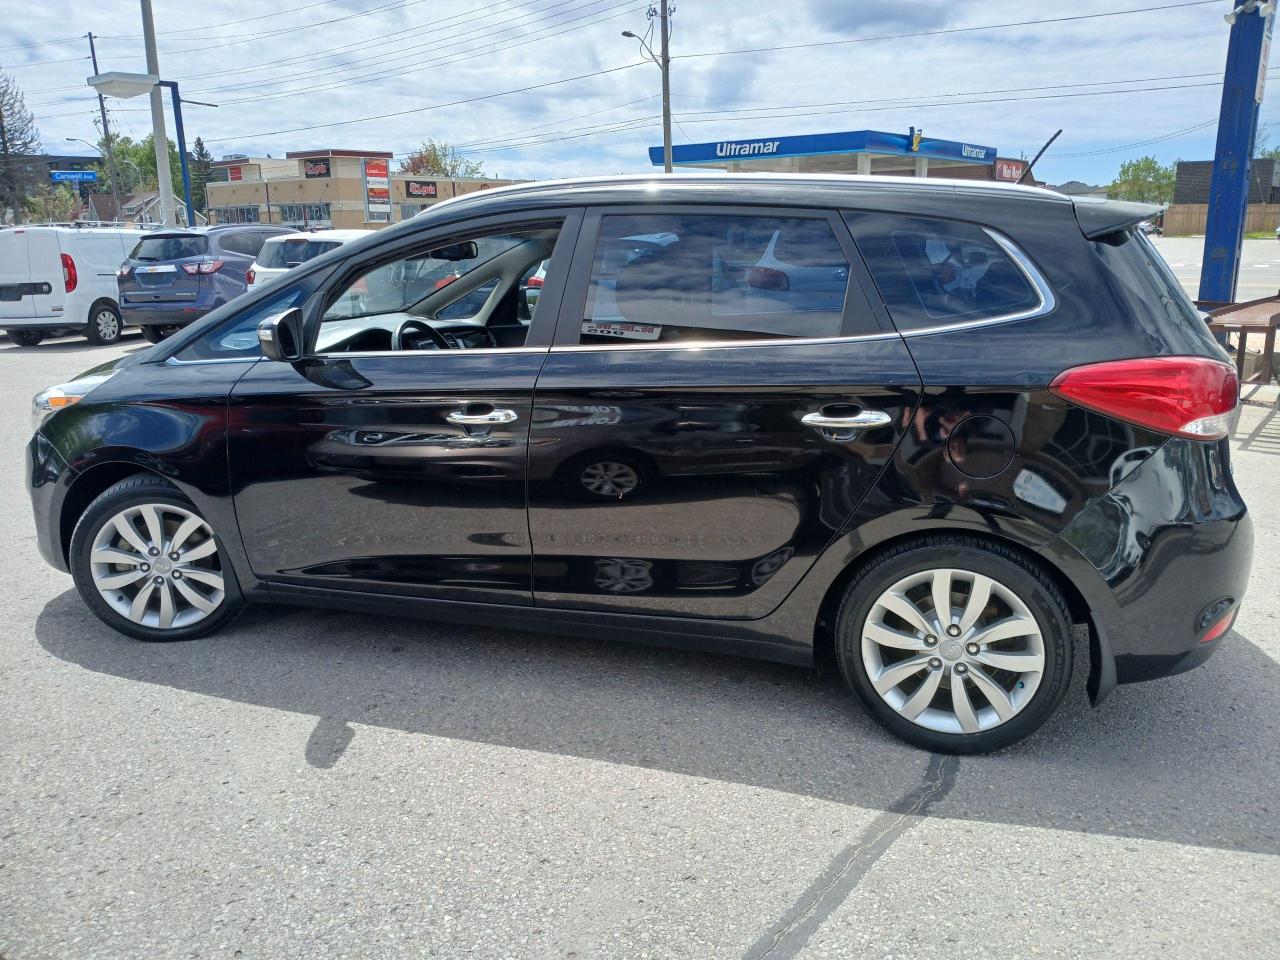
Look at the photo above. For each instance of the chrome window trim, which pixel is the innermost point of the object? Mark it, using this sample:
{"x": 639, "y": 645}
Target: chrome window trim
{"x": 1048, "y": 302}
{"x": 424, "y": 353}
{"x": 721, "y": 344}
{"x": 175, "y": 362}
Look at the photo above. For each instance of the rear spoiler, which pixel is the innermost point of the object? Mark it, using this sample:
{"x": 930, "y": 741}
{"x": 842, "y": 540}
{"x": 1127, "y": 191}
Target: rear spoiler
{"x": 1098, "y": 218}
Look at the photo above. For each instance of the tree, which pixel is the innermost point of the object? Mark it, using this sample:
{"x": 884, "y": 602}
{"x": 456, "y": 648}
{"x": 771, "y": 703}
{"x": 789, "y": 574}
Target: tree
{"x": 435, "y": 158}
{"x": 200, "y": 161}
{"x": 1262, "y": 148}
{"x": 136, "y": 165}
{"x": 1145, "y": 180}
{"x": 19, "y": 146}
{"x": 53, "y": 204}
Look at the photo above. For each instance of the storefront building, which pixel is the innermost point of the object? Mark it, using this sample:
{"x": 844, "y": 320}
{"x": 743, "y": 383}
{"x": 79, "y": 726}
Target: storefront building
{"x": 854, "y": 151}
{"x": 342, "y": 189}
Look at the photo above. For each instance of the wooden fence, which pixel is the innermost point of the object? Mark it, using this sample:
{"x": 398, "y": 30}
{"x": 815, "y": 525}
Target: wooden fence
{"x": 1188, "y": 219}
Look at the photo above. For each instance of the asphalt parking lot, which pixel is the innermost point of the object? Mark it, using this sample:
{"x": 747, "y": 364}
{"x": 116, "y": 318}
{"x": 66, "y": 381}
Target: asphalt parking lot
{"x": 1259, "y": 265}
{"x": 311, "y": 784}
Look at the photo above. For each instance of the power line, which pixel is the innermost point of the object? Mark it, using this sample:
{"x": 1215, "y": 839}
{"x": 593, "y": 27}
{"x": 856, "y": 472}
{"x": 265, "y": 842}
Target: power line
{"x": 1137, "y": 143}
{"x": 435, "y": 106}
{"x": 941, "y": 32}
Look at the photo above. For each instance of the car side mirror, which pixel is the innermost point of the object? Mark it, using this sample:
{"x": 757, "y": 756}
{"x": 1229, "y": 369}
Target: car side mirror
{"x": 281, "y": 336}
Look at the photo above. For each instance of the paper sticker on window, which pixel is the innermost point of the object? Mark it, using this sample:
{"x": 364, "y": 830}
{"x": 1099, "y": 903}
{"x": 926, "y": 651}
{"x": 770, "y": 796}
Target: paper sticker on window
{"x": 627, "y": 331}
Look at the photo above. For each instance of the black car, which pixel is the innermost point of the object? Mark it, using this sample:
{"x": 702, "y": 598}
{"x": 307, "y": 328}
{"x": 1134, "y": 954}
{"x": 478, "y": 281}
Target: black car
{"x": 920, "y": 427}
{"x": 173, "y": 277}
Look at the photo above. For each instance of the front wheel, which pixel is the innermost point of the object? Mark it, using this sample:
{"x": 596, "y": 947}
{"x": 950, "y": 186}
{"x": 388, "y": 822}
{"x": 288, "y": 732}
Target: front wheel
{"x": 104, "y": 325}
{"x": 955, "y": 645}
{"x": 150, "y": 566}
{"x": 25, "y": 338}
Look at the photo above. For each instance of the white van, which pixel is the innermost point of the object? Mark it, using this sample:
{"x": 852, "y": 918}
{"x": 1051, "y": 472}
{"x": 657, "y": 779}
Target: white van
{"x": 60, "y": 280}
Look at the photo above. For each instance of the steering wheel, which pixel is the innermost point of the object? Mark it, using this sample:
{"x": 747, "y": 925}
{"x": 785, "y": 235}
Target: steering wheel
{"x": 412, "y": 326}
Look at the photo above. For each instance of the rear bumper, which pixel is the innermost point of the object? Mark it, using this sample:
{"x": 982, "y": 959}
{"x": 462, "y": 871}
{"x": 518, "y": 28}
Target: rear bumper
{"x": 173, "y": 313}
{"x": 1160, "y": 560}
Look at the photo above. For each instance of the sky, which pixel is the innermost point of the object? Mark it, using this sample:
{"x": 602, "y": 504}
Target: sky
{"x": 547, "y": 88}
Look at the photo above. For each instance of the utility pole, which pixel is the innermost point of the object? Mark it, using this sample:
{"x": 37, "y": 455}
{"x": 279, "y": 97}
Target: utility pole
{"x": 1242, "y": 87}
{"x": 164, "y": 178}
{"x": 106, "y": 139}
{"x": 665, "y": 64}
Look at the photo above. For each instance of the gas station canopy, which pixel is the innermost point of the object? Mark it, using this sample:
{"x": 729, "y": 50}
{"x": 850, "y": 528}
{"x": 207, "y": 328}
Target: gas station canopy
{"x": 853, "y": 151}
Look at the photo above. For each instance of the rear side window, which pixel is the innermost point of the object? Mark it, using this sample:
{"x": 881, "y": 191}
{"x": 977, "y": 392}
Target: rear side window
{"x": 693, "y": 276}
{"x": 1143, "y": 279}
{"x": 170, "y": 248}
{"x": 247, "y": 244}
{"x": 282, "y": 254}
{"x": 937, "y": 272}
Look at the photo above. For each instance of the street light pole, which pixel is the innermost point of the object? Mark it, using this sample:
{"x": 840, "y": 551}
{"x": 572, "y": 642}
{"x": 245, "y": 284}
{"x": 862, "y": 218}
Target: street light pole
{"x": 663, "y": 61}
{"x": 164, "y": 178}
{"x": 106, "y": 137}
{"x": 665, "y": 66}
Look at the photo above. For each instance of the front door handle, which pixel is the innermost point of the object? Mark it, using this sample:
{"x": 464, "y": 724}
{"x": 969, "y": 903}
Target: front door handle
{"x": 491, "y": 419}
{"x": 862, "y": 420}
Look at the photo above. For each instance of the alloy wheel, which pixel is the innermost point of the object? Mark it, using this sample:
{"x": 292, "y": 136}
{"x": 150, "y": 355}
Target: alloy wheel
{"x": 610, "y": 478}
{"x": 157, "y": 564}
{"x": 953, "y": 651}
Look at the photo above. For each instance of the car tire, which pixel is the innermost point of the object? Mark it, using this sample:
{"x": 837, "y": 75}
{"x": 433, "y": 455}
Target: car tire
{"x": 25, "y": 338}
{"x": 122, "y": 562}
{"x": 154, "y": 333}
{"x": 905, "y": 666}
{"x": 104, "y": 327}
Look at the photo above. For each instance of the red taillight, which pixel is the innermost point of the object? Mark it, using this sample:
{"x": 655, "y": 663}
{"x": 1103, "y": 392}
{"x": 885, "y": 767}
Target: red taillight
{"x": 202, "y": 266}
{"x": 534, "y": 281}
{"x": 69, "y": 278}
{"x": 249, "y": 276}
{"x": 1190, "y": 397}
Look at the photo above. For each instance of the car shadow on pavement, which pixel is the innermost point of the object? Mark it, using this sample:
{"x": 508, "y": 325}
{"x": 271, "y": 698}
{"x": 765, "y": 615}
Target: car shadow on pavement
{"x": 1189, "y": 760}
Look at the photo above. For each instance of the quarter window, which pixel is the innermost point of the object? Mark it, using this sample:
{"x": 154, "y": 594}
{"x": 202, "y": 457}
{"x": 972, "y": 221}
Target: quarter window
{"x": 934, "y": 272}
{"x": 699, "y": 277}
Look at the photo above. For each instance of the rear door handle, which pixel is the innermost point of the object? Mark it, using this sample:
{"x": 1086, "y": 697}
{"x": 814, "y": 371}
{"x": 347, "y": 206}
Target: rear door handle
{"x": 490, "y": 419}
{"x": 862, "y": 420}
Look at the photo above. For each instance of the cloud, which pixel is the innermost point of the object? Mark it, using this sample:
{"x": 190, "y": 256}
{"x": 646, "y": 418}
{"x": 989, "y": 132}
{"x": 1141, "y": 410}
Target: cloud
{"x": 881, "y": 16}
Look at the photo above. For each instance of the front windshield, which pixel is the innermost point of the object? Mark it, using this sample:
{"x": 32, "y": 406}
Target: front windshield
{"x": 396, "y": 286}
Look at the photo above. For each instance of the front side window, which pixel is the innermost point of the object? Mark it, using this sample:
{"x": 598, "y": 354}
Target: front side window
{"x": 455, "y": 294}
{"x": 698, "y": 277}
{"x": 237, "y": 339}
{"x": 935, "y": 272}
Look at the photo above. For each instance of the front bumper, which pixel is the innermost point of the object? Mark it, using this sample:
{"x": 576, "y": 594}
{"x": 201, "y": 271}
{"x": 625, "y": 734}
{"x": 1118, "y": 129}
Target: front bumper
{"x": 48, "y": 479}
{"x": 1166, "y": 556}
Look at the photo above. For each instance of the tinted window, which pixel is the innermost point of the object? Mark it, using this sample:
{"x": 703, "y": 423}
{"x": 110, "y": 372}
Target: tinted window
{"x": 933, "y": 272}
{"x": 1143, "y": 280}
{"x": 238, "y": 337}
{"x": 282, "y": 254}
{"x": 671, "y": 277}
{"x": 170, "y": 248}
{"x": 247, "y": 244}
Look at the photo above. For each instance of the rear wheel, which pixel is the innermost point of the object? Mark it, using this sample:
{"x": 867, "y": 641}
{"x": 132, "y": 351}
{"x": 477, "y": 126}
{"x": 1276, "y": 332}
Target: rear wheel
{"x": 104, "y": 325}
{"x": 150, "y": 566}
{"x": 955, "y": 645}
{"x": 25, "y": 338}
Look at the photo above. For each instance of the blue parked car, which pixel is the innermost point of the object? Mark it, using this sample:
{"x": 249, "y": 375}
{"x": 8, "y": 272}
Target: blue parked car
{"x": 173, "y": 277}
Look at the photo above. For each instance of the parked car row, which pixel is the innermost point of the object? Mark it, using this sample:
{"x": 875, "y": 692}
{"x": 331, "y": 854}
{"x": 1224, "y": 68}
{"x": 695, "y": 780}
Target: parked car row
{"x": 98, "y": 281}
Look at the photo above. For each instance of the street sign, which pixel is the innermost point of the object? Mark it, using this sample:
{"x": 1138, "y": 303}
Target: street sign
{"x": 73, "y": 176}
